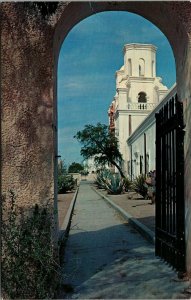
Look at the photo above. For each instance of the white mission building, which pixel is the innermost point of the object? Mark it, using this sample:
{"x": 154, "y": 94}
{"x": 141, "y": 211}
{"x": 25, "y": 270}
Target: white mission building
{"x": 138, "y": 93}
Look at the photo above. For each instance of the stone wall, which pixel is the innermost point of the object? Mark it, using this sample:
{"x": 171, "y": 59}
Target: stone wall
{"x": 185, "y": 94}
{"x": 27, "y": 105}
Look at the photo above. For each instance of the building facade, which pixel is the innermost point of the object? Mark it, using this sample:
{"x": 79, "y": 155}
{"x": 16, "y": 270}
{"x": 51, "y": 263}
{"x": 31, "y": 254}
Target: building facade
{"x": 141, "y": 143}
{"x": 138, "y": 91}
{"x": 90, "y": 165}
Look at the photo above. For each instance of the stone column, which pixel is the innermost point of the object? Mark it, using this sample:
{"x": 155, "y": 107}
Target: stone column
{"x": 28, "y": 125}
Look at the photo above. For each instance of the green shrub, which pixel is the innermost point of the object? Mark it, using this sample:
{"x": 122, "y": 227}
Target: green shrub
{"x": 29, "y": 270}
{"x": 139, "y": 185}
{"x": 65, "y": 183}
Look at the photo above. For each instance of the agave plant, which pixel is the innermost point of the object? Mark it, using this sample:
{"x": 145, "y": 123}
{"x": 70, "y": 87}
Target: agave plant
{"x": 139, "y": 185}
{"x": 115, "y": 184}
{"x": 102, "y": 178}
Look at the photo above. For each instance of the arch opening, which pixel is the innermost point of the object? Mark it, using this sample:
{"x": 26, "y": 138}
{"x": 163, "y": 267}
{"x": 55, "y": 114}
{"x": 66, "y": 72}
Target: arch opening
{"x": 141, "y": 67}
{"x": 129, "y": 60}
{"x": 142, "y": 97}
{"x": 160, "y": 23}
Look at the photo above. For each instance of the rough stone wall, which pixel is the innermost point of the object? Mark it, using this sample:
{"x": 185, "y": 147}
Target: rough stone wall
{"x": 184, "y": 79}
{"x": 183, "y": 63}
{"x": 27, "y": 105}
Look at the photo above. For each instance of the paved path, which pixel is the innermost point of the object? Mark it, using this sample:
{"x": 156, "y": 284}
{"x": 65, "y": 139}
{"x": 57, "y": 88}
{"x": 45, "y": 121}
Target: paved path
{"x": 106, "y": 259}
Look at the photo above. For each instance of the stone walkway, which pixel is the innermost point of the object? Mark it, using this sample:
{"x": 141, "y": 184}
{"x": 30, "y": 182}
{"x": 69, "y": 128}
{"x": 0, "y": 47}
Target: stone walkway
{"x": 105, "y": 258}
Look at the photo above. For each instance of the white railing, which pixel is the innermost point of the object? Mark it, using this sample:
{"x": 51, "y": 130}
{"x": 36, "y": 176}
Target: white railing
{"x": 141, "y": 106}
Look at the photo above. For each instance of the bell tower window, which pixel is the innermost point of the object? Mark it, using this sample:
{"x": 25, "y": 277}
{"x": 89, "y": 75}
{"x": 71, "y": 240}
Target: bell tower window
{"x": 129, "y": 67}
{"x": 142, "y": 97}
{"x": 152, "y": 68}
{"x": 141, "y": 67}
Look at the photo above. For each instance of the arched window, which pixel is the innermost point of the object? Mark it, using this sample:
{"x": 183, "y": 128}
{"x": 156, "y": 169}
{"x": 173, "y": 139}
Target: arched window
{"x": 142, "y": 97}
{"x": 141, "y": 67}
{"x": 129, "y": 67}
{"x": 152, "y": 68}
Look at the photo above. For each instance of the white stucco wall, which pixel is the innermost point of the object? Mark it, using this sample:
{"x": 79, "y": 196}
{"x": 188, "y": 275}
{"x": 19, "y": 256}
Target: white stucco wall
{"x": 89, "y": 165}
{"x": 136, "y": 119}
{"x": 136, "y": 141}
{"x": 138, "y": 149}
{"x": 150, "y": 140}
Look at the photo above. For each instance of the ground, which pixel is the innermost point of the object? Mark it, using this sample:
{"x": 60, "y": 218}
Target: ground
{"x": 105, "y": 258}
{"x": 64, "y": 201}
{"x": 131, "y": 202}
{"x": 136, "y": 206}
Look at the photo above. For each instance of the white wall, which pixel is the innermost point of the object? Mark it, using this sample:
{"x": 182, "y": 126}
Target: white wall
{"x": 138, "y": 149}
{"x": 136, "y": 141}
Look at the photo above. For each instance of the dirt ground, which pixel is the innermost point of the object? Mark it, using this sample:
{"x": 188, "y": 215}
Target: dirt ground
{"x": 136, "y": 206}
{"x": 64, "y": 201}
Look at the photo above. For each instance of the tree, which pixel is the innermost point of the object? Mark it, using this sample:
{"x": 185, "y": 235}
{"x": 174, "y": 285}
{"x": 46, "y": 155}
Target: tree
{"x": 100, "y": 143}
{"x": 75, "y": 168}
{"x": 66, "y": 182}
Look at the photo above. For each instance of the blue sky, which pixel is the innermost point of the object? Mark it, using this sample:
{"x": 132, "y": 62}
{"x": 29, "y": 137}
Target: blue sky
{"x": 88, "y": 60}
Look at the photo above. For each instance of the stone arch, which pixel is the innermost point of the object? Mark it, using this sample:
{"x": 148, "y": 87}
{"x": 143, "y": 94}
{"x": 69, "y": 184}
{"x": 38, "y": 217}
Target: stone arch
{"x": 142, "y": 97}
{"x": 159, "y": 13}
{"x": 153, "y": 69}
{"x": 173, "y": 19}
{"x": 141, "y": 67}
{"x": 129, "y": 67}
{"x": 30, "y": 45}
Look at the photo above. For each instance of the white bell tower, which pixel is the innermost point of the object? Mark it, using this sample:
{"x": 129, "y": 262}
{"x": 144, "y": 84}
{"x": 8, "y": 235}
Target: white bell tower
{"x": 138, "y": 91}
{"x": 140, "y": 60}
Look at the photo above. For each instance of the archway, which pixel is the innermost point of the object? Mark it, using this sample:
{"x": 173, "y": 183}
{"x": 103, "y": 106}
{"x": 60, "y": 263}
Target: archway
{"x": 158, "y": 13}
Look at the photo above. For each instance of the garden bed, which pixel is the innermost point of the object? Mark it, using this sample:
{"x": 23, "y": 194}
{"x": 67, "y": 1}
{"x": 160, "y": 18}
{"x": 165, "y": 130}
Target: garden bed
{"x": 64, "y": 201}
{"x": 136, "y": 206}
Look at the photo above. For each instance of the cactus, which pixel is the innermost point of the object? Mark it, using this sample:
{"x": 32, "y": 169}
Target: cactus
{"x": 113, "y": 183}
{"x": 101, "y": 178}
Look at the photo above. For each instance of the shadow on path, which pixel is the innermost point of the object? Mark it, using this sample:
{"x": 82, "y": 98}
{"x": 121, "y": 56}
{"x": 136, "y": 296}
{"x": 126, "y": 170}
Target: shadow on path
{"x": 106, "y": 258}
